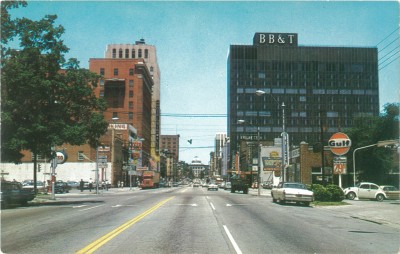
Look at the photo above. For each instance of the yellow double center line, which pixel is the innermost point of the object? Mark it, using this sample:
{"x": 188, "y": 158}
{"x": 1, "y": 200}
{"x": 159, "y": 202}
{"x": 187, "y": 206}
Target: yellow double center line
{"x": 104, "y": 239}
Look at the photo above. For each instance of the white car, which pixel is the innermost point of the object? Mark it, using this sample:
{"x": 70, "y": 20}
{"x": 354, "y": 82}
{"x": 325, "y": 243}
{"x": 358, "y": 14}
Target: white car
{"x": 212, "y": 186}
{"x": 293, "y": 192}
{"x": 365, "y": 190}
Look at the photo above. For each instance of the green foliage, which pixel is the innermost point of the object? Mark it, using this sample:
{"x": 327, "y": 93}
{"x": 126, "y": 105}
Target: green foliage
{"x": 330, "y": 193}
{"x": 46, "y": 100}
{"x": 336, "y": 193}
{"x": 374, "y": 163}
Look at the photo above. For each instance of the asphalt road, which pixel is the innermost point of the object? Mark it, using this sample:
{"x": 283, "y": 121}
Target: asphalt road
{"x": 188, "y": 220}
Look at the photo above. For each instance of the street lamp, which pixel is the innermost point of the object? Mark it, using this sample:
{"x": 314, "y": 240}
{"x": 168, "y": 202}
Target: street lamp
{"x": 284, "y": 134}
{"x": 379, "y": 144}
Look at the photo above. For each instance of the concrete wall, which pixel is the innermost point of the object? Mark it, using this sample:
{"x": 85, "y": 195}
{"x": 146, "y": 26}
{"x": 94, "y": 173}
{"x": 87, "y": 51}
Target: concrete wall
{"x": 74, "y": 171}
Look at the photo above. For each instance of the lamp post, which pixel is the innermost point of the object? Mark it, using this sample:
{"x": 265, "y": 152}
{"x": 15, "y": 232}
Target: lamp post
{"x": 379, "y": 144}
{"x": 284, "y": 135}
{"x": 114, "y": 119}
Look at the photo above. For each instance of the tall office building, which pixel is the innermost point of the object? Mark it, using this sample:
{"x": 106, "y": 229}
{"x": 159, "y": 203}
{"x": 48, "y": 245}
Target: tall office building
{"x": 170, "y": 146}
{"x": 148, "y": 53}
{"x": 321, "y": 88}
{"x": 126, "y": 86}
{"x": 216, "y": 165}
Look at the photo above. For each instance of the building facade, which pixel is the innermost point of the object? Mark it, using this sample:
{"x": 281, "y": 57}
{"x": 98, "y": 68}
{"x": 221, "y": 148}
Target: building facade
{"x": 170, "y": 145}
{"x": 310, "y": 91}
{"x": 126, "y": 85}
{"x": 148, "y": 54}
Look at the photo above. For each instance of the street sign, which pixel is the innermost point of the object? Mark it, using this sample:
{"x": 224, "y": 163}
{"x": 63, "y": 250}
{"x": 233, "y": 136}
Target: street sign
{"x": 339, "y": 165}
{"x": 102, "y": 161}
{"x": 339, "y": 143}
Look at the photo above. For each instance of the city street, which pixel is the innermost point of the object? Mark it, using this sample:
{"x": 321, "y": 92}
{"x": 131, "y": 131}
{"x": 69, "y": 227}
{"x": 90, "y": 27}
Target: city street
{"x": 189, "y": 220}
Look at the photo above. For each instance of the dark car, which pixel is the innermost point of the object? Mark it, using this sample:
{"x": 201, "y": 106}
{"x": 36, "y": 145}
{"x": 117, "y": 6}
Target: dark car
{"x": 13, "y": 193}
{"x": 61, "y": 187}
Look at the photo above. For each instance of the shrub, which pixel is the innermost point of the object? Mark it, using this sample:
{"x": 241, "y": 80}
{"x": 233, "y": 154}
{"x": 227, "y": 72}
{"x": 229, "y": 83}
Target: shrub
{"x": 330, "y": 193}
{"x": 337, "y": 194}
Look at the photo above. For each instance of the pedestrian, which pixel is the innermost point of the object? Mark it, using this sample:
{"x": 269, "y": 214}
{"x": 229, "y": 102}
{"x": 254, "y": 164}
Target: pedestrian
{"x": 81, "y": 184}
{"x": 90, "y": 186}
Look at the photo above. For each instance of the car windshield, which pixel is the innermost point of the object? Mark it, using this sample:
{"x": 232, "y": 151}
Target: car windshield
{"x": 294, "y": 186}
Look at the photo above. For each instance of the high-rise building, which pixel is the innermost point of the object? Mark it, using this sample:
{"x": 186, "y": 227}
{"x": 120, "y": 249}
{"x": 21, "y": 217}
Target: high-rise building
{"x": 169, "y": 145}
{"x": 148, "y": 54}
{"x": 322, "y": 89}
{"x": 216, "y": 163}
{"x": 126, "y": 85}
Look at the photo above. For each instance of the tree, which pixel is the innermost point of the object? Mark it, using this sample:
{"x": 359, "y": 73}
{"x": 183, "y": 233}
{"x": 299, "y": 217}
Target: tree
{"x": 375, "y": 162}
{"x": 46, "y": 101}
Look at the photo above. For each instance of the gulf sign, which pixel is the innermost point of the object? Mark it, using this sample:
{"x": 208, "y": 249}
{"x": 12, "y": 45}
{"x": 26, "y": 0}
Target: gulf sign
{"x": 339, "y": 143}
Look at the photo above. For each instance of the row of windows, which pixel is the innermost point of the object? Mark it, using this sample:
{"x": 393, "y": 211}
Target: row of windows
{"x": 116, "y": 71}
{"x": 132, "y": 53}
{"x": 252, "y": 65}
{"x": 252, "y": 91}
{"x": 130, "y": 115}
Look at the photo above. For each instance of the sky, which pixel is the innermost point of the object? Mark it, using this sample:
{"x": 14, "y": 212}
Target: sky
{"x": 193, "y": 38}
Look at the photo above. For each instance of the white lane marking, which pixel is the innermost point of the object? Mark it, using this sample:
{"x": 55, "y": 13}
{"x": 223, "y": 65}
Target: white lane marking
{"x": 228, "y": 205}
{"x": 79, "y": 206}
{"x": 237, "y": 249}
{"x": 212, "y": 206}
{"x": 90, "y": 208}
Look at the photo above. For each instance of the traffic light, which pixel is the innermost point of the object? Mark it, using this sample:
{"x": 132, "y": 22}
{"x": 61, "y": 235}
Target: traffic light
{"x": 39, "y": 167}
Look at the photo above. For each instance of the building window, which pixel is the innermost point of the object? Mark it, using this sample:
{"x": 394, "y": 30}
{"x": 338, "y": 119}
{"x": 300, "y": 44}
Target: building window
{"x": 115, "y": 114}
{"x": 133, "y": 53}
{"x": 81, "y": 156}
{"x": 116, "y": 72}
{"x": 126, "y": 53}
{"x": 151, "y": 68}
{"x": 102, "y": 71}
{"x": 131, "y": 83}
{"x": 114, "y": 53}
{"x": 131, "y": 72}
{"x": 146, "y": 53}
{"x": 101, "y": 93}
{"x": 120, "y": 53}
{"x": 131, "y": 105}
{"x": 101, "y": 82}
{"x": 130, "y": 94}
{"x": 130, "y": 115}
{"x": 140, "y": 53}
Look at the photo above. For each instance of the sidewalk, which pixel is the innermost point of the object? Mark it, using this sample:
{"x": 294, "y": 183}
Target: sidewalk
{"x": 386, "y": 212}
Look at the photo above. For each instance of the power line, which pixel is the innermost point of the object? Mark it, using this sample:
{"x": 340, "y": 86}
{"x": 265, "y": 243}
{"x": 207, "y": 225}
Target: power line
{"x": 192, "y": 115}
{"x": 387, "y": 36}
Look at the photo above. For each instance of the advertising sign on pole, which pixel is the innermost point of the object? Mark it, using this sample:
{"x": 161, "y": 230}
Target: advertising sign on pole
{"x": 339, "y": 165}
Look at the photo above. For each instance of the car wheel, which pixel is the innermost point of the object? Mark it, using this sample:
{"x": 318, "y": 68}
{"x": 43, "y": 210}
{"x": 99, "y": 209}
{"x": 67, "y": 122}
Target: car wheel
{"x": 380, "y": 197}
{"x": 306, "y": 203}
{"x": 273, "y": 200}
{"x": 351, "y": 195}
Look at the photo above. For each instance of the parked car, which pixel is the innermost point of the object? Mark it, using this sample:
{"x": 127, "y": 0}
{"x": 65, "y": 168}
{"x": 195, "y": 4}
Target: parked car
{"x": 292, "y": 192}
{"x": 73, "y": 184}
{"x": 212, "y": 186}
{"x": 365, "y": 190}
{"x": 61, "y": 187}
{"x": 13, "y": 193}
{"x": 28, "y": 184}
{"x": 391, "y": 192}
{"x": 267, "y": 185}
{"x": 227, "y": 186}
{"x": 196, "y": 184}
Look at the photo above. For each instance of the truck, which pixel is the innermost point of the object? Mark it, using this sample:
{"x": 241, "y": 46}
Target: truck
{"x": 150, "y": 179}
{"x": 239, "y": 184}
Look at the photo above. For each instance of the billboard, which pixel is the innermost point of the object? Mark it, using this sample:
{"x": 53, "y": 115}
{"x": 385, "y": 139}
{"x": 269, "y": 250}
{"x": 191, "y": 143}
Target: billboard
{"x": 271, "y": 158}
